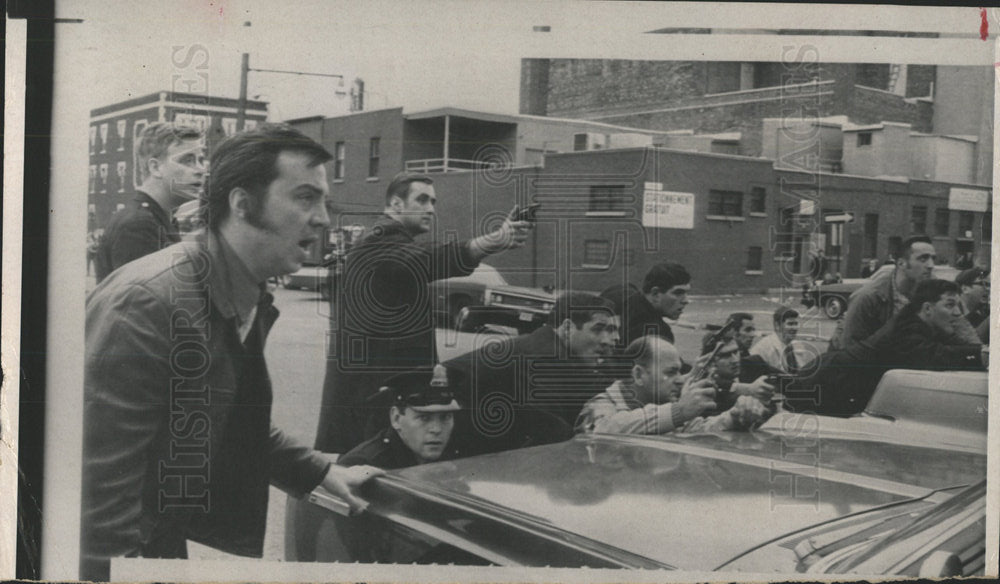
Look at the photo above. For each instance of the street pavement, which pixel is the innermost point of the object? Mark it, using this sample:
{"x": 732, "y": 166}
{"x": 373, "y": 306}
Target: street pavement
{"x": 296, "y": 349}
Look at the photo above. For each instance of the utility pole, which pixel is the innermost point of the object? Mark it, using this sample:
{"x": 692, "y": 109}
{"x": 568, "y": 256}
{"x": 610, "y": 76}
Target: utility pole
{"x": 245, "y": 73}
{"x": 241, "y": 113}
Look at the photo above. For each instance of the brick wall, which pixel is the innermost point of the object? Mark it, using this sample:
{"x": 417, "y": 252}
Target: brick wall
{"x": 578, "y": 87}
{"x": 868, "y": 106}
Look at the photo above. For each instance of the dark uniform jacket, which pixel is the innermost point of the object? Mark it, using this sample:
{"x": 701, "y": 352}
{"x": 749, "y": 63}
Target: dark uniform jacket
{"x": 638, "y": 316}
{"x": 178, "y": 442}
{"x": 525, "y": 391}
{"x": 382, "y": 324}
{"x": 139, "y": 229}
{"x": 844, "y": 381}
{"x": 386, "y": 450}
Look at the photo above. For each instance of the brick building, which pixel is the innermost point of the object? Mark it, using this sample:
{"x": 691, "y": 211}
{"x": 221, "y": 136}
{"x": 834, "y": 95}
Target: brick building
{"x": 714, "y": 97}
{"x": 114, "y": 129}
{"x": 739, "y": 223}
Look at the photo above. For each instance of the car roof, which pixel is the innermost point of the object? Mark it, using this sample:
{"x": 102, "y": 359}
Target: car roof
{"x": 695, "y": 501}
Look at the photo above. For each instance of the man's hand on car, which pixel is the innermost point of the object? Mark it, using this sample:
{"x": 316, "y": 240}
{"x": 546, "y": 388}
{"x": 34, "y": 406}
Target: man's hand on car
{"x": 748, "y": 412}
{"x": 760, "y": 389}
{"x": 342, "y": 481}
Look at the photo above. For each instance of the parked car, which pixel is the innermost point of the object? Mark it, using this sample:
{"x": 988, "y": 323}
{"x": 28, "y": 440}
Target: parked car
{"x": 311, "y": 277}
{"x": 802, "y": 494}
{"x": 832, "y": 298}
{"x": 484, "y": 297}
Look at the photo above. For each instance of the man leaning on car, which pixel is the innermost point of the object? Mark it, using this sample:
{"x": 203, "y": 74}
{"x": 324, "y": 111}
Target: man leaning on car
{"x": 873, "y": 305}
{"x": 921, "y": 336}
{"x": 178, "y": 443}
{"x": 527, "y": 390}
{"x": 657, "y": 399}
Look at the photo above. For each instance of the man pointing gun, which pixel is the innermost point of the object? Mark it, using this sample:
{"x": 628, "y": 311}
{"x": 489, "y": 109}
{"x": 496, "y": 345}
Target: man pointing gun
{"x": 384, "y": 322}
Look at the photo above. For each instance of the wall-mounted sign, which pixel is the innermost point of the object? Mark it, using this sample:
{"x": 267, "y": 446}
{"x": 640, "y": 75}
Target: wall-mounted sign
{"x": 960, "y": 199}
{"x": 667, "y": 209}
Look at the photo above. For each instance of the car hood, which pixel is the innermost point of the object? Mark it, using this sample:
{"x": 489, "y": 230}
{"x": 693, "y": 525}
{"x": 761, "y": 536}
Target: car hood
{"x": 689, "y": 502}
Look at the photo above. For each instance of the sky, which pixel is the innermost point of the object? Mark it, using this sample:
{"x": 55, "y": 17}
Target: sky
{"x": 418, "y": 55}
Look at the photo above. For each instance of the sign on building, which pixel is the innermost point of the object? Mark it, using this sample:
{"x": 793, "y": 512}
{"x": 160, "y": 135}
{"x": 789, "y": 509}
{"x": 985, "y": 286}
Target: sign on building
{"x": 667, "y": 209}
{"x": 960, "y": 199}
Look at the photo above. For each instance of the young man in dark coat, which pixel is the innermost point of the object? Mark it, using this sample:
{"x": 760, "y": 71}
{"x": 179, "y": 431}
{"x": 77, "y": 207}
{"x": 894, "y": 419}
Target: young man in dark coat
{"x": 528, "y": 390}
{"x": 172, "y": 166}
{"x": 383, "y": 322}
{"x": 663, "y": 295}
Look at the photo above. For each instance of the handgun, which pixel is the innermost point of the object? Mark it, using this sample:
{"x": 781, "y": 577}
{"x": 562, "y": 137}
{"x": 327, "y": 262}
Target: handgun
{"x": 528, "y": 213}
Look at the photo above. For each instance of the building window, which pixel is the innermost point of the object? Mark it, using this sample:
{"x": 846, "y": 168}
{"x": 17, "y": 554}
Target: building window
{"x": 373, "y": 157}
{"x": 941, "y": 218}
{"x": 725, "y": 203}
{"x": 965, "y": 221}
{"x": 607, "y": 198}
{"x": 758, "y": 200}
{"x": 987, "y": 227}
{"x": 755, "y": 255}
{"x": 918, "y": 222}
{"x": 338, "y": 160}
{"x": 864, "y": 138}
{"x": 596, "y": 253}
{"x": 871, "y": 235}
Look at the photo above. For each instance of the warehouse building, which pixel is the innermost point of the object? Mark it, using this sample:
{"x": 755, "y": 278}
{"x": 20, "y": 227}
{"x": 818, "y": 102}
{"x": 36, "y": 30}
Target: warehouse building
{"x": 610, "y": 208}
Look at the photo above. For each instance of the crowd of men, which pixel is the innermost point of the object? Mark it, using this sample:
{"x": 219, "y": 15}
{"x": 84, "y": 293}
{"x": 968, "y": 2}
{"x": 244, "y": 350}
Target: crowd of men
{"x": 178, "y": 440}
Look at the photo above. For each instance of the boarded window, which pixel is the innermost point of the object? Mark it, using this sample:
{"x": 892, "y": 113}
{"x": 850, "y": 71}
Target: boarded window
{"x": 607, "y": 198}
{"x": 725, "y": 203}
{"x": 758, "y": 200}
{"x": 918, "y": 219}
{"x": 941, "y": 221}
{"x": 597, "y": 253}
{"x": 373, "y": 156}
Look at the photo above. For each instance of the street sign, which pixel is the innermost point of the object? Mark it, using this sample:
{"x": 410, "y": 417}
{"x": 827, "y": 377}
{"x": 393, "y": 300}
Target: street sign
{"x": 839, "y": 218}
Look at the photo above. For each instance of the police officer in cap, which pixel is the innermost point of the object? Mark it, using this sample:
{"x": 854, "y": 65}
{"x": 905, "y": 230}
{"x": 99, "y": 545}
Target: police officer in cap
{"x": 422, "y": 408}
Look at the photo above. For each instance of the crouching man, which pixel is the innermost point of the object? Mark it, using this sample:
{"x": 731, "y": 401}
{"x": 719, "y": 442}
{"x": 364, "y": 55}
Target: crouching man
{"x": 656, "y": 399}
{"x": 422, "y": 410}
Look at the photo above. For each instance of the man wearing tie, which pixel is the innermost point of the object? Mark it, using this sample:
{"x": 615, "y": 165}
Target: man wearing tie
{"x": 777, "y": 349}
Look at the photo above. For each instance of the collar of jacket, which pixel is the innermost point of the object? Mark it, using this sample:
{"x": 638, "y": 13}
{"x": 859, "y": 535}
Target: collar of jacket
{"x": 158, "y": 212}
{"x": 233, "y": 294}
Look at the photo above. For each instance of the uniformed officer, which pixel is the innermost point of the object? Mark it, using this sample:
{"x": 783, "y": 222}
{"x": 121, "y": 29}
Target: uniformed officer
{"x": 422, "y": 408}
{"x": 172, "y": 166}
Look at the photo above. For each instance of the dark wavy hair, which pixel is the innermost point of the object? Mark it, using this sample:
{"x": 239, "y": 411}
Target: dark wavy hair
{"x": 579, "y": 307}
{"x": 929, "y": 291}
{"x": 248, "y": 160}
{"x": 665, "y": 276}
